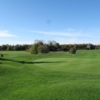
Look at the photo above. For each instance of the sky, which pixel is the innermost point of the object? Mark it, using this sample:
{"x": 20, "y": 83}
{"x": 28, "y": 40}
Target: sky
{"x": 64, "y": 21}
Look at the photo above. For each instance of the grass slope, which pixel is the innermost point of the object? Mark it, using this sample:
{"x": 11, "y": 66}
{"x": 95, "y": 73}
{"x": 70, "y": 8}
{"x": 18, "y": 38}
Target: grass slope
{"x": 53, "y": 76}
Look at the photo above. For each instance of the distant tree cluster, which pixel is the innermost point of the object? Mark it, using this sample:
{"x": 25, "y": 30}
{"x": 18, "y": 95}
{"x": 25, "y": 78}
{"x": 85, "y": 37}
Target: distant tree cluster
{"x": 39, "y": 47}
{"x": 17, "y": 47}
{"x": 51, "y": 46}
{"x": 90, "y": 46}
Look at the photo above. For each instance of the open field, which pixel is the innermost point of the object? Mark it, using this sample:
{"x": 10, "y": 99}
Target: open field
{"x": 53, "y": 76}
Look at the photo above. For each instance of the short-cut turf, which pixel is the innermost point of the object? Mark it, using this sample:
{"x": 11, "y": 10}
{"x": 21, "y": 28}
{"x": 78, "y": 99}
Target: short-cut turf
{"x": 52, "y": 76}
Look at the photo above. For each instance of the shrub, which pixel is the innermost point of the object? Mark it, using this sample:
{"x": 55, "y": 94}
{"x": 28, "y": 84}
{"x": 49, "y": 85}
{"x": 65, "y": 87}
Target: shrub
{"x": 33, "y": 49}
{"x": 43, "y": 49}
{"x": 1, "y": 55}
{"x": 72, "y": 50}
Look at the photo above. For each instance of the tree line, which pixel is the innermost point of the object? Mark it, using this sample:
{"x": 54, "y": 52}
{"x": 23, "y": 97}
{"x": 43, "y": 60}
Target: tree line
{"x": 17, "y": 47}
{"x": 50, "y": 46}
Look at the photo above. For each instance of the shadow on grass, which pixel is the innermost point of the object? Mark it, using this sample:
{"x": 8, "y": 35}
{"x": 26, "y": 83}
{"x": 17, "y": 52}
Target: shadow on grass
{"x": 5, "y": 54}
{"x": 26, "y": 62}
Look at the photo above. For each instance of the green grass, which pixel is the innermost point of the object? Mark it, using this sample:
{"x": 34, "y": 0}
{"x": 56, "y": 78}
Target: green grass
{"x": 53, "y": 76}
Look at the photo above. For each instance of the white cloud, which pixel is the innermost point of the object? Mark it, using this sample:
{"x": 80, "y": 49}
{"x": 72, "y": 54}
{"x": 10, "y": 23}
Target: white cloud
{"x": 73, "y": 40}
{"x": 70, "y": 33}
{"x": 5, "y": 33}
{"x": 11, "y": 42}
{"x": 70, "y": 29}
{"x": 22, "y": 42}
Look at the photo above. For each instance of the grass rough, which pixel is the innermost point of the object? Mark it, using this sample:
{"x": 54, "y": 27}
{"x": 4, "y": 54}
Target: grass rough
{"x": 52, "y": 76}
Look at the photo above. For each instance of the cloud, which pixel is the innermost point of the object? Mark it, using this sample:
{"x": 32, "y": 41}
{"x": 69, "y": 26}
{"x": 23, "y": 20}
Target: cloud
{"x": 73, "y": 40}
{"x": 22, "y": 42}
{"x": 5, "y": 33}
{"x": 69, "y": 33}
{"x": 72, "y": 34}
{"x": 70, "y": 29}
{"x": 67, "y": 41}
{"x": 14, "y": 42}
